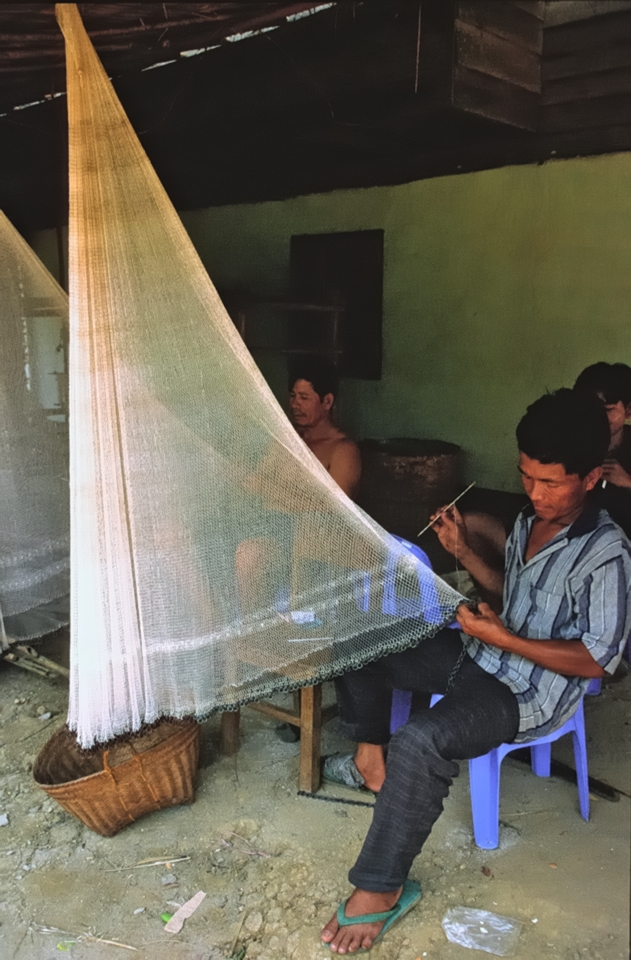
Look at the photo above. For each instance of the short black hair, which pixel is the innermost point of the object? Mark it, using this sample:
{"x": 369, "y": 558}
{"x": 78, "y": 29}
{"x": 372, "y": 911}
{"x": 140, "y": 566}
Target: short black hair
{"x": 612, "y": 380}
{"x": 567, "y": 427}
{"x": 317, "y": 370}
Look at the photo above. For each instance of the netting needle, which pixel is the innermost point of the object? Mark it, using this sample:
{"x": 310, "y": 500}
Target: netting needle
{"x": 445, "y": 509}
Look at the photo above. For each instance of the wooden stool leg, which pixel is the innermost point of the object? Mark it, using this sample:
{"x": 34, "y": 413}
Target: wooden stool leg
{"x": 310, "y": 737}
{"x": 229, "y": 736}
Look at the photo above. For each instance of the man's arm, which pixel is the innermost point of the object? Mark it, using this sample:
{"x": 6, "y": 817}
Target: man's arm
{"x": 568, "y": 657}
{"x": 614, "y": 472}
{"x": 346, "y": 466}
{"x": 452, "y": 533}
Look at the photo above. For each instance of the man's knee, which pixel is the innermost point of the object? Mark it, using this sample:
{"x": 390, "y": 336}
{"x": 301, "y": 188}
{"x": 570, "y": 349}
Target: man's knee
{"x": 469, "y": 722}
{"x": 422, "y": 738}
{"x": 417, "y": 761}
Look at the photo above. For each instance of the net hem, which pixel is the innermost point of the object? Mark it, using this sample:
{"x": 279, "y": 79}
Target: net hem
{"x": 266, "y": 689}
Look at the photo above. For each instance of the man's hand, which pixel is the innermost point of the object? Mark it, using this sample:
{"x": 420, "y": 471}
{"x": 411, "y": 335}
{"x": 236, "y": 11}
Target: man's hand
{"x": 614, "y": 473}
{"x": 451, "y": 530}
{"x": 569, "y": 657}
{"x": 485, "y": 625}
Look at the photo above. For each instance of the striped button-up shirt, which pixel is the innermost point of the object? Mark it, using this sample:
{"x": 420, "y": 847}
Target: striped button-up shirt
{"x": 577, "y": 587}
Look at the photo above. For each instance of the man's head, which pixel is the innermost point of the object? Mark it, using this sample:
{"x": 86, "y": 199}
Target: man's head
{"x": 563, "y": 439}
{"x": 611, "y": 383}
{"x": 313, "y": 384}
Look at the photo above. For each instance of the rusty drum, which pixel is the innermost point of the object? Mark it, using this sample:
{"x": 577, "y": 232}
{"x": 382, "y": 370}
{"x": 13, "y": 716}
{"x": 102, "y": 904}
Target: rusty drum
{"x": 404, "y": 480}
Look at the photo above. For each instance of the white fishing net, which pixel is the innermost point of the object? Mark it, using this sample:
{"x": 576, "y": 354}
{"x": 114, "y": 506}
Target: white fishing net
{"x": 34, "y": 501}
{"x": 214, "y": 560}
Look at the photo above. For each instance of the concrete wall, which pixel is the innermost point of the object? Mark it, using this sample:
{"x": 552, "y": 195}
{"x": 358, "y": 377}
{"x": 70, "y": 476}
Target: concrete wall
{"x": 497, "y": 286}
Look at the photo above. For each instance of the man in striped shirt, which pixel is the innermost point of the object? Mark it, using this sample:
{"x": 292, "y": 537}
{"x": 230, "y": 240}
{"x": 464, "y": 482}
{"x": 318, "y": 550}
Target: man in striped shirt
{"x": 565, "y": 618}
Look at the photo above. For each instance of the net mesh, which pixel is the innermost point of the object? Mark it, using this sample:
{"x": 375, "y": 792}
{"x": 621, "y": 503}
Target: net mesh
{"x": 214, "y": 560}
{"x": 34, "y": 510}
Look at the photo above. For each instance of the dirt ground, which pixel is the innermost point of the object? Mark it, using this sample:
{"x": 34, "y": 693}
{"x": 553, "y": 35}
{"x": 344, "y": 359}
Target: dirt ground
{"x": 274, "y": 864}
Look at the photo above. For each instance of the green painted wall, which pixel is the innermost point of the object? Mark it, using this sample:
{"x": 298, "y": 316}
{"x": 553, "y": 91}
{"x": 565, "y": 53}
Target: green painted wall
{"x": 498, "y": 285}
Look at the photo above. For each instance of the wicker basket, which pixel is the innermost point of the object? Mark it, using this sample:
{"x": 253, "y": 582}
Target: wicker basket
{"x": 110, "y": 788}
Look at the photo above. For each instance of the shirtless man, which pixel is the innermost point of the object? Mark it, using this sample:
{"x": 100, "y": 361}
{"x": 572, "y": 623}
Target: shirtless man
{"x": 313, "y": 385}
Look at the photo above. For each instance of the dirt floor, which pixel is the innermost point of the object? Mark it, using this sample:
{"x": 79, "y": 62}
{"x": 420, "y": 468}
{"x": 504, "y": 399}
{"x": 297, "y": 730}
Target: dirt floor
{"x": 274, "y": 865}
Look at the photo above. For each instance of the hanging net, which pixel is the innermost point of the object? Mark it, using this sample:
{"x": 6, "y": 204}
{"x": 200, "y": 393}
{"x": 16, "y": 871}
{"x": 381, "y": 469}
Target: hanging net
{"x": 34, "y": 502}
{"x": 214, "y": 560}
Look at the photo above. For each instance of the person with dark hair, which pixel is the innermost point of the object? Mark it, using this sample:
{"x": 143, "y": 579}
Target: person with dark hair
{"x": 313, "y": 385}
{"x": 509, "y": 678}
{"x": 317, "y": 370}
{"x": 611, "y": 383}
{"x": 481, "y": 535}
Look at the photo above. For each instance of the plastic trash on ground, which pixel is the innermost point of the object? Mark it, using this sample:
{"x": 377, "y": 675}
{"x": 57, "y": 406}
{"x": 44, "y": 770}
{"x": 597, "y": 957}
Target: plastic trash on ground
{"x": 481, "y": 930}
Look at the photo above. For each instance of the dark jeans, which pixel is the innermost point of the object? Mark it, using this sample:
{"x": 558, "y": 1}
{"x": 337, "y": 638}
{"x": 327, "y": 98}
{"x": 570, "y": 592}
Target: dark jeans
{"x": 478, "y": 713}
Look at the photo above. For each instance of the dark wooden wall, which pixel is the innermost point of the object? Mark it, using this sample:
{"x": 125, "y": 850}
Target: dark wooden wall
{"x": 383, "y": 92}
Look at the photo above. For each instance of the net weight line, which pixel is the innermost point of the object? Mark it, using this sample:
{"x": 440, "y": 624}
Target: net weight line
{"x": 350, "y": 803}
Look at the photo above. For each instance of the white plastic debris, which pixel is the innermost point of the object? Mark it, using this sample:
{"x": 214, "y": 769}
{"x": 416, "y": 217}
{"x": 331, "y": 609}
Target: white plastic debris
{"x": 4, "y": 820}
{"x": 481, "y": 930}
{"x": 187, "y": 910}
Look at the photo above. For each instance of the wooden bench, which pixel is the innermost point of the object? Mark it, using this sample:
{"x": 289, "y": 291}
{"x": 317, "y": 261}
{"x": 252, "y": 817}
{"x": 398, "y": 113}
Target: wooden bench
{"x": 308, "y": 715}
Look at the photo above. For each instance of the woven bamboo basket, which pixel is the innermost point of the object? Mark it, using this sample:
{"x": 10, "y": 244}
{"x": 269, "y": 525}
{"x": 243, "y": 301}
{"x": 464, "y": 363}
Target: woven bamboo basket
{"x": 110, "y": 788}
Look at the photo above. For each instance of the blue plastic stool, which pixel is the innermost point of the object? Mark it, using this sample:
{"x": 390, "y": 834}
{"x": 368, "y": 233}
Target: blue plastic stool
{"x": 484, "y": 777}
{"x": 401, "y": 706}
{"x": 413, "y": 548}
{"x": 484, "y": 771}
{"x": 426, "y": 604}
{"x": 594, "y": 687}
{"x": 402, "y": 699}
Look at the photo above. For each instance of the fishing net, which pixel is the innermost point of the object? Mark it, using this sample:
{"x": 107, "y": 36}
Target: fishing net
{"x": 34, "y": 502}
{"x": 214, "y": 560}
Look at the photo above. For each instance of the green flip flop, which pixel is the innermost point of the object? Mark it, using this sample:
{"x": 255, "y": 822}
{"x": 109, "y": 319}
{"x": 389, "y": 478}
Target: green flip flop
{"x": 410, "y": 896}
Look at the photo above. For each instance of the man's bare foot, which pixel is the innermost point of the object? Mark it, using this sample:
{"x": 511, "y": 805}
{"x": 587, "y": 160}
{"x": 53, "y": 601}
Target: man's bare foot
{"x": 370, "y": 762}
{"x": 352, "y": 938}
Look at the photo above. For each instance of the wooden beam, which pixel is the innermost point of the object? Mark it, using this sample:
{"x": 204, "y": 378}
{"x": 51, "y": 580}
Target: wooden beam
{"x": 277, "y": 713}
{"x": 587, "y": 61}
{"x": 590, "y": 87}
{"x": 229, "y": 734}
{"x": 480, "y": 153}
{"x": 537, "y": 8}
{"x": 585, "y": 114}
{"x": 495, "y": 99}
{"x": 310, "y": 737}
{"x": 497, "y": 62}
{"x": 484, "y": 51}
{"x": 507, "y": 20}
{"x": 603, "y": 30}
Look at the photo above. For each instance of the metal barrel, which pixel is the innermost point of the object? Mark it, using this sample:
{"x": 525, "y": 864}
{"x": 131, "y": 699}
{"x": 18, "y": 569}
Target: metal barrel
{"x": 405, "y": 479}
